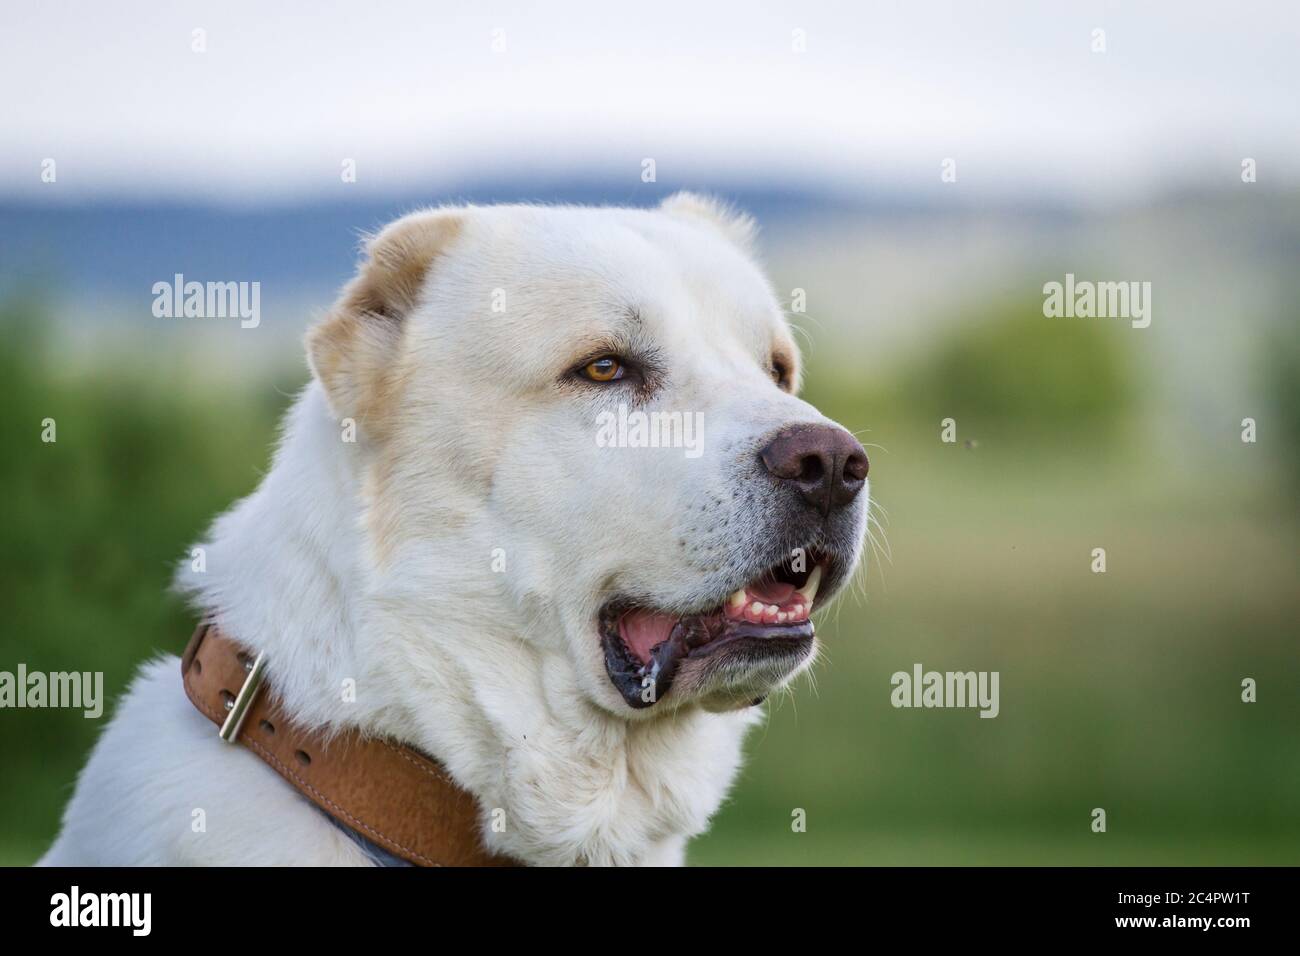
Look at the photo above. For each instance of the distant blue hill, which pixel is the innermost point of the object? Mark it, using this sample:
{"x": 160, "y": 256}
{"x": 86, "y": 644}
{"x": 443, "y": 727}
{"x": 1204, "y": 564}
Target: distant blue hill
{"x": 111, "y": 247}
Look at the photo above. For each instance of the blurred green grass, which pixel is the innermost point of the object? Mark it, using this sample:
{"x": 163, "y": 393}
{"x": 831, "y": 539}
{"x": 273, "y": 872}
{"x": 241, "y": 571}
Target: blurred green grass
{"x": 1119, "y": 690}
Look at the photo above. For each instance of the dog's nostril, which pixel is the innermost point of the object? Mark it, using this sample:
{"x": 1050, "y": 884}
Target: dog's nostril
{"x": 857, "y": 466}
{"x": 811, "y": 468}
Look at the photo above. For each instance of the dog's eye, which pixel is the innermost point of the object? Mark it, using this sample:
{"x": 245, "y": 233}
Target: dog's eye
{"x": 604, "y": 369}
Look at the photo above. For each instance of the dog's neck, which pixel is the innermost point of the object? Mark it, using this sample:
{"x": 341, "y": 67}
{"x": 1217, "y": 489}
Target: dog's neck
{"x": 288, "y": 571}
{"x": 280, "y": 568}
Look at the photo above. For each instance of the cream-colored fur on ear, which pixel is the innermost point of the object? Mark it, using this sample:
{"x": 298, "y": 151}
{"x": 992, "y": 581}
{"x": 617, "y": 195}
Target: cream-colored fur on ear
{"x": 352, "y": 350}
{"x": 737, "y": 226}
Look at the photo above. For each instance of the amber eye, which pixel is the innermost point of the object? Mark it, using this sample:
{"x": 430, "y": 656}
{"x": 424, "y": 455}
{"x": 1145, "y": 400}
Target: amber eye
{"x": 604, "y": 369}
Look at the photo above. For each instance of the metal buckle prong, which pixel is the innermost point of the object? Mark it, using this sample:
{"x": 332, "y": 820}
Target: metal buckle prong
{"x": 239, "y": 707}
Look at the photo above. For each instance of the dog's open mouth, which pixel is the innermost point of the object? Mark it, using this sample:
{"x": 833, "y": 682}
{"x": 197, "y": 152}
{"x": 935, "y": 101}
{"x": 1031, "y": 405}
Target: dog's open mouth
{"x": 766, "y": 619}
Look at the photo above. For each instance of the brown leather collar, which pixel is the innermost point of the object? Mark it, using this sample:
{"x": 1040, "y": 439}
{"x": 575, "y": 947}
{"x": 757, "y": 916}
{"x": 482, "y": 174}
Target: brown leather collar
{"x": 387, "y": 793}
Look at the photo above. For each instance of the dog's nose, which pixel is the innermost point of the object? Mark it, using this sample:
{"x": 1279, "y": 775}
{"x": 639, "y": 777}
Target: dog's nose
{"x": 823, "y": 462}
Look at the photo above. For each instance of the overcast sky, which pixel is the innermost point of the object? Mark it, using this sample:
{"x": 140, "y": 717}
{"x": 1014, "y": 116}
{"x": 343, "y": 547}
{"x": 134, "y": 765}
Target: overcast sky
{"x": 416, "y": 94}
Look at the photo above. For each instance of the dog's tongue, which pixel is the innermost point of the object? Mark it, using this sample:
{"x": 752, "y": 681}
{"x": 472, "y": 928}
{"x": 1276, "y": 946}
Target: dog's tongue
{"x": 642, "y": 630}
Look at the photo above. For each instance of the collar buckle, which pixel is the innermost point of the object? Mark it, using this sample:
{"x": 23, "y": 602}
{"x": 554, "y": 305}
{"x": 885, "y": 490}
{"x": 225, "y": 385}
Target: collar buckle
{"x": 240, "y": 704}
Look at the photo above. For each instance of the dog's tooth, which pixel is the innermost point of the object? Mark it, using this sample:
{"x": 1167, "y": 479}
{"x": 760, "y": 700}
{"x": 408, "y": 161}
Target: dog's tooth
{"x": 782, "y": 617}
{"x": 809, "y": 590}
{"x": 737, "y": 600}
{"x": 756, "y": 608}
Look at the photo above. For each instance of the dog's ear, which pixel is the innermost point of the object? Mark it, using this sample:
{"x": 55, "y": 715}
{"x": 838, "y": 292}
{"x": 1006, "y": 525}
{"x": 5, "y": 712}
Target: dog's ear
{"x": 736, "y": 226}
{"x": 352, "y": 350}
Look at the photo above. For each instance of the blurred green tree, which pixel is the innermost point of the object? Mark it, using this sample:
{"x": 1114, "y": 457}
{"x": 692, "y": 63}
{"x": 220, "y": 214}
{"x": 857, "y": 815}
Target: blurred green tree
{"x": 1012, "y": 366}
{"x": 1281, "y": 377}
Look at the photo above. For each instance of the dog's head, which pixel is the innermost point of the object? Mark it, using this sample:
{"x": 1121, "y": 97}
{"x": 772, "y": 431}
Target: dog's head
{"x": 590, "y": 416}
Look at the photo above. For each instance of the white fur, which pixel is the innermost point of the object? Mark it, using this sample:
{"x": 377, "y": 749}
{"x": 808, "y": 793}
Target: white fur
{"x": 372, "y": 561}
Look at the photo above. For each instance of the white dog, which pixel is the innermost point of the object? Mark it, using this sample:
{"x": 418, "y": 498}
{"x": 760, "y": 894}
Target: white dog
{"x": 478, "y": 521}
